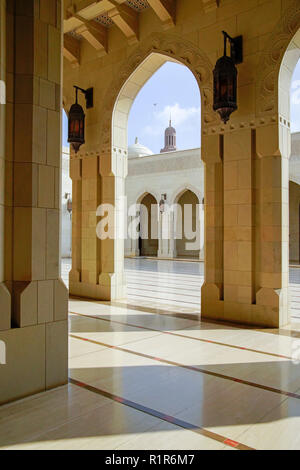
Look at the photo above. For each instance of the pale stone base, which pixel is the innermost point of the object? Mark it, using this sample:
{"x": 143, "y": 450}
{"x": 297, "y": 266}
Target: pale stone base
{"x": 166, "y": 255}
{"x": 38, "y": 302}
{"x": 5, "y": 302}
{"x": 270, "y": 311}
{"x": 36, "y": 360}
{"x": 110, "y": 287}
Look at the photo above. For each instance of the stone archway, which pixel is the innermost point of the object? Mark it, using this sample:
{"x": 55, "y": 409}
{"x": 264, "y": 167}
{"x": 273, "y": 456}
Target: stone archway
{"x": 95, "y": 273}
{"x": 276, "y": 54}
{"x": 200, "y": 201}
{"x": 148, "y": 233}
{"x": 138, "y": 68}
{"x": 134, "y": 73}
{"x": 187, "y": 220}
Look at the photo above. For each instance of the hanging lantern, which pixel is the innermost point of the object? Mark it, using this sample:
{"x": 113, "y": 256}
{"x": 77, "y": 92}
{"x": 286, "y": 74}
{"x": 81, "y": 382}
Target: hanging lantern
{"x": 76, "y": 126}
{"x": 225, "y": 79}
{"x": 77, "y": 119}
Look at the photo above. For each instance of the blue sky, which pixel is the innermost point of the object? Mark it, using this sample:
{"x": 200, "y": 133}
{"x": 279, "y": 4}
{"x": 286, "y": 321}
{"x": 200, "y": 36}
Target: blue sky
{"x": 174, "y": 90}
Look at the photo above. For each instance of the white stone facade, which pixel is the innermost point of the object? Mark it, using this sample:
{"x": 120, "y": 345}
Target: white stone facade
{"x": 168, "y": 175}
{"x": 294, "y": 199}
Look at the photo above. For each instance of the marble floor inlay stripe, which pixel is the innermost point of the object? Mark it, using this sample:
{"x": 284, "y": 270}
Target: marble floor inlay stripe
{"x": 192, "y": 368}
{"x": 202, "y": 340}
{"x": 157, "y": 414}
{"x": 157, "y": 311}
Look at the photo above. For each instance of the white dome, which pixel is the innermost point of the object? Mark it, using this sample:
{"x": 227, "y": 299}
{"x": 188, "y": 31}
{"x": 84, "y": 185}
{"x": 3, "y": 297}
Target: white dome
{"x": 138, "y": 150}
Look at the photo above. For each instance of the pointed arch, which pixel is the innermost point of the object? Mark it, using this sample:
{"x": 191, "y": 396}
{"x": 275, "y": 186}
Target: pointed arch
{"x": 140, "y": 196}
{"x": 134, "y": 73}
{"x": 268, "y": 70}
{"x": 180, "y": 191}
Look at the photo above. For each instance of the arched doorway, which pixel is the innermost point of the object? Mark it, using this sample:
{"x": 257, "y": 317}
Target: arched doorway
{"x": 102, "y": 168}
{"x": 148, "y": 233}
{"x": 137, "y": 78}
{"x": 290, "y": 165}
{"x": 188, "y": 226}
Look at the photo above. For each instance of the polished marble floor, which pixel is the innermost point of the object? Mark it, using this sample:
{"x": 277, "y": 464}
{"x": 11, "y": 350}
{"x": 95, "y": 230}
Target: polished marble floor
{"x": 176, "y": 285}
{"x": 147, "y": 373}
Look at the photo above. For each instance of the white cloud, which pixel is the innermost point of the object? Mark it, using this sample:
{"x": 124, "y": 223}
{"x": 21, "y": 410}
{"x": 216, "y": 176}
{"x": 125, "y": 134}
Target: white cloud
{"x": 180, "y": 116}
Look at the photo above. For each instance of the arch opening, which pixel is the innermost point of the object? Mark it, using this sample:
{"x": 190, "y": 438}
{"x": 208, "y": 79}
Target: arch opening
{"x": 148, "y": 227}
{"x": 289, "y": 143}
{"x": 188, "y": 225}
{"x": 151, "y": 168}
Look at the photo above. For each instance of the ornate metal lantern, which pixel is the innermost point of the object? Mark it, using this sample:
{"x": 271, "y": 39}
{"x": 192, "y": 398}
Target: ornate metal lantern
{"x": 77, "y": 119}
{"x": 225, "y": 78}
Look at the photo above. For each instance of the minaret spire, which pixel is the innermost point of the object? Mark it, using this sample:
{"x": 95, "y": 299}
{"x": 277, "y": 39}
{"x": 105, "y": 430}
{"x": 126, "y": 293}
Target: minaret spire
{"x": 170, "y": 138}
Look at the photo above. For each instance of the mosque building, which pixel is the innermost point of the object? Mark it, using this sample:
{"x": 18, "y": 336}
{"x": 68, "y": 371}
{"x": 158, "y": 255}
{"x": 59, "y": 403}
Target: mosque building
{"x": 173, "y": 179}
{"x": 176, "y": 177}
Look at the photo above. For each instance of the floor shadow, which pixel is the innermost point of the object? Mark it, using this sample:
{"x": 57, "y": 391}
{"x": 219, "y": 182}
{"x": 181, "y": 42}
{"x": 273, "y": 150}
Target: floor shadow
{"x": 199, "y": 399}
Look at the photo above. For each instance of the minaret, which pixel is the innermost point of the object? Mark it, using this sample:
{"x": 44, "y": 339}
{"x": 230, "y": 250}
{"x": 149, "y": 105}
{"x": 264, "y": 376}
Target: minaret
{"x": 170, "y": 139}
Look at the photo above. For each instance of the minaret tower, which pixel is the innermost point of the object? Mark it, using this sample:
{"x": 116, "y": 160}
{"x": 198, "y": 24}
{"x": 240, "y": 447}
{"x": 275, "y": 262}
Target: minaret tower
{"x": 170, "y": 139}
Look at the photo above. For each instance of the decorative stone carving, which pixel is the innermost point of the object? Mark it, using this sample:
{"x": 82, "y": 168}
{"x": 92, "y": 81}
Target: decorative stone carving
{"x": 171, "y": 46}
{"x": 271, "y": 58}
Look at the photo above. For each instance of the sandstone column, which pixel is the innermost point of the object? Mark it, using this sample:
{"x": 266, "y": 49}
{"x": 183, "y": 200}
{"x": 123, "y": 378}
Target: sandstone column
{"x": 113, "y": 170}
{"x": 85, "y": 248}
{"x": 212, "y": 294}
{"x": 39, "y": 295}
{"x": 98, "y": 264}
{"x": 246, "y": 248}
{"x": 272, "y": 223}
{"x": 239, "y": 212}
{"x": 5, "y": 297}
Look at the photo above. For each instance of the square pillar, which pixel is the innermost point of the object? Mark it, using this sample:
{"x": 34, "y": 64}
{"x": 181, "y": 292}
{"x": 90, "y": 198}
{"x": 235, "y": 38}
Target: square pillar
{"x": 33, "y": 152}
{"x": 246, "y": 246}
{"x": 98, "y": 192}
{"x": 212, "y": 293}
{"x": 113, "y": 171}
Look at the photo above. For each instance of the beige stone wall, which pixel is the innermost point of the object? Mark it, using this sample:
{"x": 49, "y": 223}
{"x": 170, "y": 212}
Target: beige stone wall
{"x": 246, "y": 162}
{"x": 37, "y": 342}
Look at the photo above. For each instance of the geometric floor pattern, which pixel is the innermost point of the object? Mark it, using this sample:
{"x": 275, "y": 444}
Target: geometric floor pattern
{"x": 147, "y": 373}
